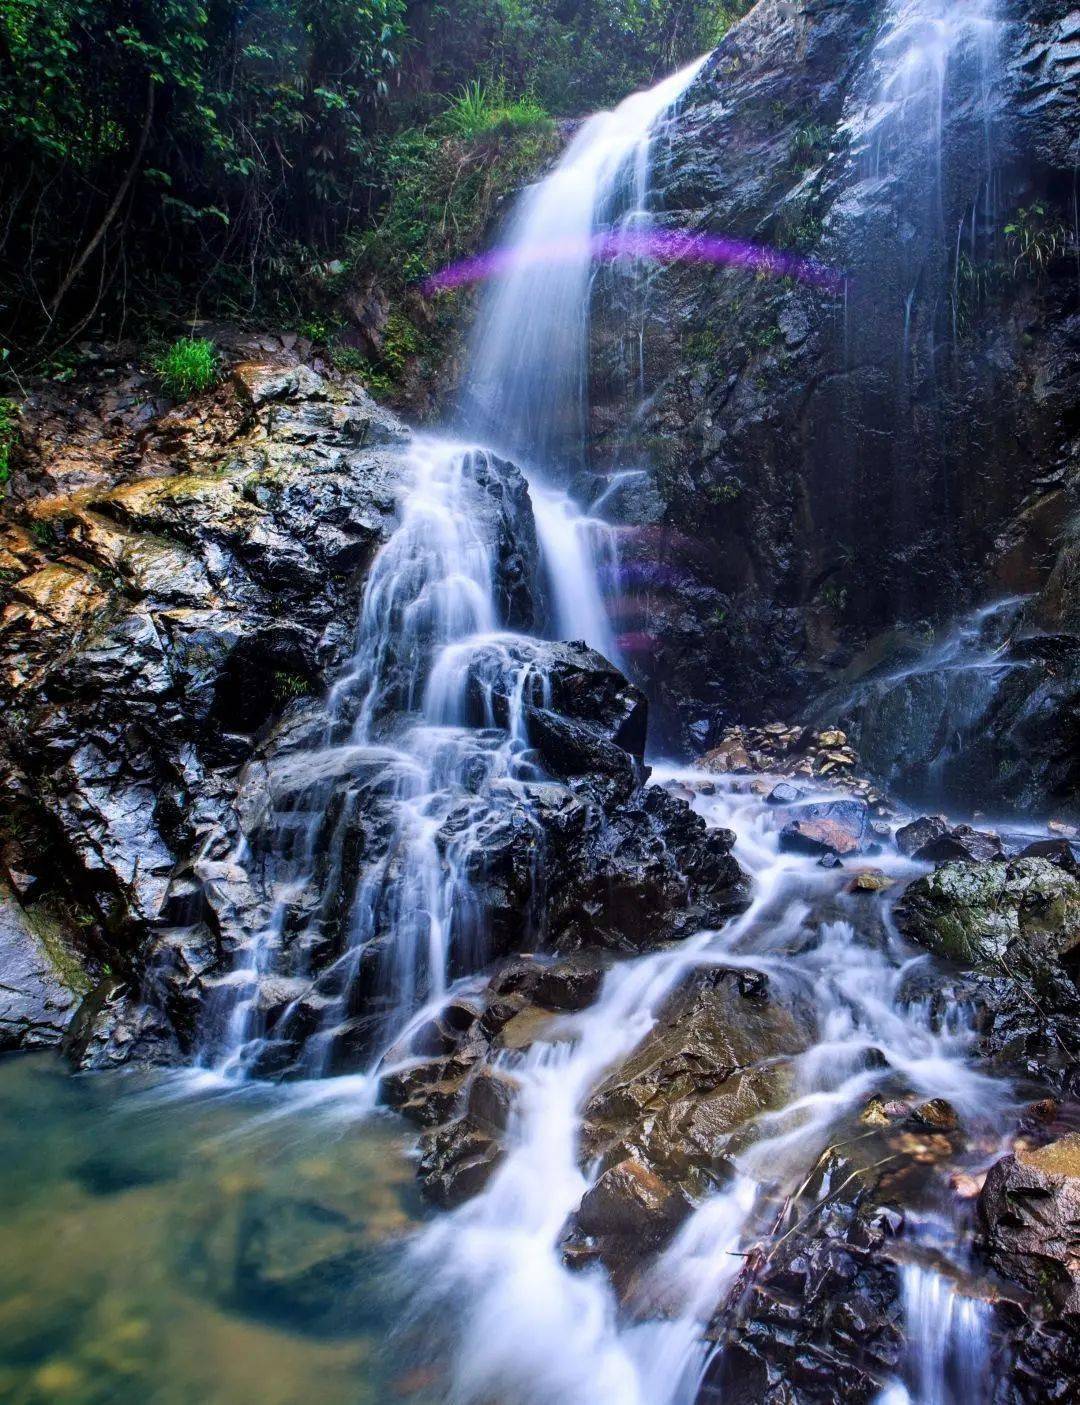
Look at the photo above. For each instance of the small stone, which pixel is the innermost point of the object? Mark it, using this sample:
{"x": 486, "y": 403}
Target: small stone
{"x": 829, "y": 861}
{"x": 937, "y": 1114}
{"x": 784, "y": 794}
{"x": 870, "y": 880}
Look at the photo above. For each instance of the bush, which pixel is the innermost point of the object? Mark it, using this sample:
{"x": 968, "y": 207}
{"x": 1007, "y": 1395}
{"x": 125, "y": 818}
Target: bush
{"x": 1035, "y": 239}
{"x": 189, "y": 367}
{"x": 477, "y": 110}
{"x": 9, "y": 432}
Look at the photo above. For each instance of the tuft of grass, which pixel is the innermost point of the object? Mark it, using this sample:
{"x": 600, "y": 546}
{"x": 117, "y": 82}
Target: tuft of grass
{"x": 1036, "y": 238}
{"x": 9, "y": 433}
{"x": 477, "y": 110}
{"x": 188, "y": 367}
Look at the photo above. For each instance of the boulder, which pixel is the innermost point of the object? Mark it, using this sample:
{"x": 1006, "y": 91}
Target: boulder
{"x": 961, "y": 843}
{"x": 1058, "y": 851}
{"x": 1026, "y": 909}
{"x": 838, "y": 827}
{"x": 926, "y": 828}
{"x": 1029, "y": 1211}
{"x": 631, "y": 1202}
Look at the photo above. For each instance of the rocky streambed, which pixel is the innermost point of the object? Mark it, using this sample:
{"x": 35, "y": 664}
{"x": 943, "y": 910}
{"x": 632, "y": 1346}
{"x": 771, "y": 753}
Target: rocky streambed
{"x": 743, "y": 1071}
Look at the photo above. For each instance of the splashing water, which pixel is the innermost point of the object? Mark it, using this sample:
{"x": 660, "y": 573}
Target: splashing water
{"x": 531, "y": 1329}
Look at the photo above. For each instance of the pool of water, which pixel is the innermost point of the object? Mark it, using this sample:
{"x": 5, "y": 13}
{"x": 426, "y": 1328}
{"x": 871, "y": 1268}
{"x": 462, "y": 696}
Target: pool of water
{"x": 167, "y": 1242}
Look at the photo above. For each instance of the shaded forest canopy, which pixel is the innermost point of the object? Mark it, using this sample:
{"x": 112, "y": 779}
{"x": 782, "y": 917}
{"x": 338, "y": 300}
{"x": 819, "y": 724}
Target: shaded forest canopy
{"x": 257, "y": 158}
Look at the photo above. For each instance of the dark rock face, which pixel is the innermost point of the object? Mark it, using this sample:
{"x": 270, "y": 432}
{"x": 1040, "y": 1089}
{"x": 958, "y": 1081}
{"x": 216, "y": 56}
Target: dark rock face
{"x": 167, "y": 637}
{"x": 1030, "y": 1215}
{"x": 183, "y": 614}
{"x": 828, "y": 466}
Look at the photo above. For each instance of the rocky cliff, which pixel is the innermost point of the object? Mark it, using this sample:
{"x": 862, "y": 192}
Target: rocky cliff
{"x": 835, "y": 473}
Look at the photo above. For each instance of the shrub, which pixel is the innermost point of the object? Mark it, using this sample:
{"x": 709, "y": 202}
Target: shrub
{"x": 9, "y": 432}
{"x": 187, "y": 368}
{"x": 1035, "y": 239}
{"x": 477, "y": 110}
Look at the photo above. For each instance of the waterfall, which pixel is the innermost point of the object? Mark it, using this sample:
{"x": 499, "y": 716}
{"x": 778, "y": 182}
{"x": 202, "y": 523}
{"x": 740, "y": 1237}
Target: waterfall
{"x": 401, "y": 757}
{"x": 373, "y": 830}
{"x": 526, "y": 389}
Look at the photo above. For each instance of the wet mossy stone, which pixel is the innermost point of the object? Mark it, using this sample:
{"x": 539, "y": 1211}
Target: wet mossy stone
{"x": 982, "y": 914}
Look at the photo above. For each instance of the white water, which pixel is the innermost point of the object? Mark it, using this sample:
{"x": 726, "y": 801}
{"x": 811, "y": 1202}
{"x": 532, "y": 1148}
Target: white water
{"x": 535, "y": 1331}
{"x": 528, "y": 382}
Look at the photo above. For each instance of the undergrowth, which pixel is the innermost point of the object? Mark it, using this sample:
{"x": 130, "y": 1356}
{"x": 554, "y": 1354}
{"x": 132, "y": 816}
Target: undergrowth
{"x": 188, "y": 367}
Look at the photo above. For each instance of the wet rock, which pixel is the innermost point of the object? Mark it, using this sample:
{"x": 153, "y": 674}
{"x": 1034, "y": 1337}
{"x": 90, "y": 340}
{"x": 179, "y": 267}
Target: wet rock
{"x": 838, "y": 827}
{"x": 870, "y": 880}
{"x": 630, "y": 1202}
{"x": 784, "y": 794}
{"x": 819, "y": 1311}
{"x": 427, "y": 1092}
{"x": 41, "y": 981}
{"x": 456, "y": 1163}
{"x": 1027, "y": 908}
{"x": 1029, "y": 1210}
{"x": 938, "y": 1114}
{"x": 492, "y": 1095}
{"x": 919, "y": 832}
{"x": 717, "y": 1056}
{"x": 571, "y": 984}
{"x": 961, "y": 843}
{"x": 1058, "y": 851}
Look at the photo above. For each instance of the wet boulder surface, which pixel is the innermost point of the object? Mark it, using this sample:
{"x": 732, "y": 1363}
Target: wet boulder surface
{"x": 177, "y": 606}
{"x": 1013, "y": 930}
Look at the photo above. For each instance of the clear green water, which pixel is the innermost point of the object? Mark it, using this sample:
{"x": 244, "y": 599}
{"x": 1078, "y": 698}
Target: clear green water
{"x": 197, "y": 1249}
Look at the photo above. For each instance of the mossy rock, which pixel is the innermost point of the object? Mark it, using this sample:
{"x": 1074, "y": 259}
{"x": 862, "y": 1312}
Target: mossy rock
{"x": 981, "y": 914}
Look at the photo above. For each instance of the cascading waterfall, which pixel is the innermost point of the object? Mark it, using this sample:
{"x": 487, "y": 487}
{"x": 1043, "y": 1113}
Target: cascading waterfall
{"x": 403, "y": 740}
{"x": 399, "y": 738}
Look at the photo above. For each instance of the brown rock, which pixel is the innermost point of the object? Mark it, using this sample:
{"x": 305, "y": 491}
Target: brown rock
{"x": 1030, "y": 1213}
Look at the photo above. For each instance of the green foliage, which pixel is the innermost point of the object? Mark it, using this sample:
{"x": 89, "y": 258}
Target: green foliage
{"x": 975, "y": 284}
{"x": 350, "y": 358}
{"x": 188, "y": 367}
{"x": 835, "y": 596}
{"x": 239, "y": 147}
{"x": 1036, "y": 238}
{"x": 477, "y": 110}
{"x": 810, "y": 145}
{"x": 9, "y": 433}
{"x": 723, "y": 494}
{"x": 289, "y": 686}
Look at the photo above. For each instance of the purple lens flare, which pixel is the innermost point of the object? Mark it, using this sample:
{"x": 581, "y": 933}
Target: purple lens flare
{"x": 659, "y": 245}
